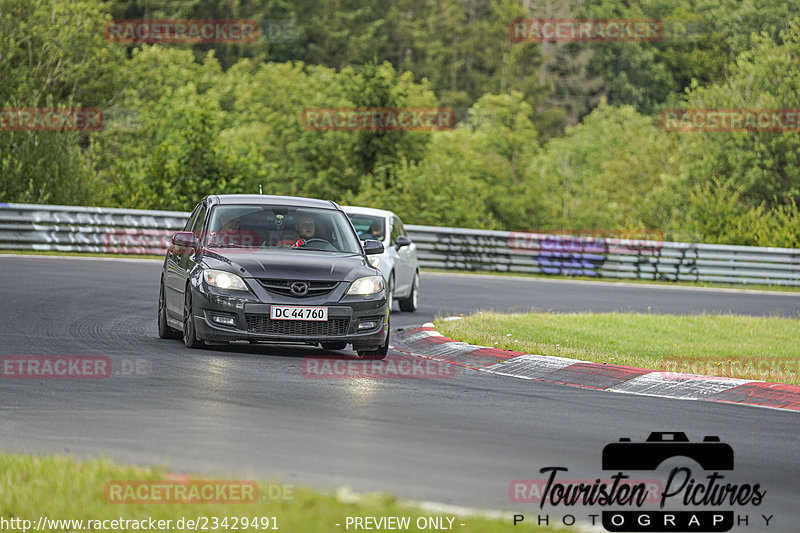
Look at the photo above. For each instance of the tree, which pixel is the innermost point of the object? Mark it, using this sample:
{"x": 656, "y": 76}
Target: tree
{"x": 378, "y": 86}
{"x": 615, "y": 170}
{"x": 475, "y": 175}
{"x": 45, "y": 47}
{"x": 762, "y": 166}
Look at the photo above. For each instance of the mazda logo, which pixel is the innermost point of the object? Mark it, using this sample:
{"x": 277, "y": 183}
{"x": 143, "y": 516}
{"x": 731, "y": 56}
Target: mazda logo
{"x": 299, "y": 288}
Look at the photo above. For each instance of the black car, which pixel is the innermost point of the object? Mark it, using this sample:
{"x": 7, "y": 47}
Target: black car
{"x": 279, "y": 269}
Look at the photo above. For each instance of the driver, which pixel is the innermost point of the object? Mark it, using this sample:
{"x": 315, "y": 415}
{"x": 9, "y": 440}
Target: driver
{"x": 306, "y": 227}
{"x": 376, "y": 231}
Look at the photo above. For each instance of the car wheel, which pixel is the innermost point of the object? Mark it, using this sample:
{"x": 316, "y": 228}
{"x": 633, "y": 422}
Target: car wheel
{"x": 379, "y": 353}
{"x": 189, "y": 335}
{"x": 164, "y": 331}
{"x": 411, "y": 303}
{"x": 333, "y": 345}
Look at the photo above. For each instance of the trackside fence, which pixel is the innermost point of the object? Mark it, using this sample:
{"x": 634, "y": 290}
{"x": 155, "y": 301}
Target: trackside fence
{"x": 132, "y": 231}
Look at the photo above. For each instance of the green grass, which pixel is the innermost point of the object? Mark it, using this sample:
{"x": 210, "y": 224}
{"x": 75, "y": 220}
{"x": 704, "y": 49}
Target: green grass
{"x": 59, "y": 487}
{"x": 762, "y": 348}
{"x": 706, "y": 284}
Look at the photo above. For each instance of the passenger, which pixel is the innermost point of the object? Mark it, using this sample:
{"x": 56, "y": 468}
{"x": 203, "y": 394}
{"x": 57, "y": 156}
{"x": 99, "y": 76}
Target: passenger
{"x": 227, "y": 233}
{"x": 231, "y": 224}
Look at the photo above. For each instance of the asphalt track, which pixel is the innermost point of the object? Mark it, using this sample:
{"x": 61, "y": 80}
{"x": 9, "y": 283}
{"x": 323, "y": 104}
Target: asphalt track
{"x": 248, "y": 411}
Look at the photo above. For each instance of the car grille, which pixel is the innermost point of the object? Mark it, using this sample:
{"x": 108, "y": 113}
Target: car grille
{"x": 312, "y": 328}
{"x": 283, "y": 286}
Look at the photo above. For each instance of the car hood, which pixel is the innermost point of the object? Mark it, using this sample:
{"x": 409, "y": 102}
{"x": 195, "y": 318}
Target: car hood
{"x": 278, "y": 264}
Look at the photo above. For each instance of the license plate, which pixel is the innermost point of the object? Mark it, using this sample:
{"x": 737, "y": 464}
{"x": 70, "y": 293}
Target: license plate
{"x": 291, "y": 312}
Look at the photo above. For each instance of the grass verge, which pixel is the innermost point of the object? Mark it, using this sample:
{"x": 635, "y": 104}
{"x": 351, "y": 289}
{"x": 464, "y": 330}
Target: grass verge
{"x": 61, "y": 488}
{"x": 761, "y": 348}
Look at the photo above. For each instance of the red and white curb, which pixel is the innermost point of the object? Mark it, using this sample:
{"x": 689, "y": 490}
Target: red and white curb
{"x": 424, "y": 341}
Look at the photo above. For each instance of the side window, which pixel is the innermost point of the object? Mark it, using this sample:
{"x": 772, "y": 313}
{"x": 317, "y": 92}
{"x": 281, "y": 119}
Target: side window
{"x": 400, "y": 227}
{"x": 192, "y": 218}
{"x": 396, "y": 228}
{"x": 197, "y": 225}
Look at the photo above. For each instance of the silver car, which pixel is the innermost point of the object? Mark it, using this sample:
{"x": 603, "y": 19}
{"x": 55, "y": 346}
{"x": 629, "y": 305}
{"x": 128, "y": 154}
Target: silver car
{"x": 398, "y": 263}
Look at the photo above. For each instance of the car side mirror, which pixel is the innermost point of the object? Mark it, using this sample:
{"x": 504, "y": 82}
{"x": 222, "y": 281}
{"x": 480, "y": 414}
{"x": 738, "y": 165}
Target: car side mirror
{"x": 401, "y": 241}
{"x": 184, "y": 241}
{"x": 372, "y": 247}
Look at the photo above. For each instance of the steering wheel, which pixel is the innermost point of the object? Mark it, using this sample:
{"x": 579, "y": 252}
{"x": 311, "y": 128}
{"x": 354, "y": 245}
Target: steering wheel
{"x": 328, "y": 246}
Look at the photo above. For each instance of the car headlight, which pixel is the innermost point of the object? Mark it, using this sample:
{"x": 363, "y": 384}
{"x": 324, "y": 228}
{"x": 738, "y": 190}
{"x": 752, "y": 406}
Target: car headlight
{"x": 374, "y": 260}
{"x": 224, "y": 280}
{"x": 367, "y": 285}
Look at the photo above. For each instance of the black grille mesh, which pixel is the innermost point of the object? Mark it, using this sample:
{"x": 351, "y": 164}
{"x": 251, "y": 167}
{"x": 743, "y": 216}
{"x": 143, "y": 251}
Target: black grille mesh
{"x": 265, "y": 325}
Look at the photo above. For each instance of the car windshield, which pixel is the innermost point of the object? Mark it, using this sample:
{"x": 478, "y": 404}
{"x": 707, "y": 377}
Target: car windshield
{"x": 368, "y": 226}
{"x": 280, "y": 228}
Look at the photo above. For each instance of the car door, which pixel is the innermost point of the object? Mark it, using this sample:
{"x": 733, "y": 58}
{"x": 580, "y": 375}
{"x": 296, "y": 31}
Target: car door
{"x": 180, "y": 262}
{"x": 404, "y": 262}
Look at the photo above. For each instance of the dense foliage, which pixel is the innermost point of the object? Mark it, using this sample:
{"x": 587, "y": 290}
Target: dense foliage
{"x": 549, "y": 135}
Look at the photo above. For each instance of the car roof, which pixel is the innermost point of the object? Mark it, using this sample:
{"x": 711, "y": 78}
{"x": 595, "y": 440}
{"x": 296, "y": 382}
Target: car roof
{"x": 367, "y": 211}
{"x": 269, "y": 199}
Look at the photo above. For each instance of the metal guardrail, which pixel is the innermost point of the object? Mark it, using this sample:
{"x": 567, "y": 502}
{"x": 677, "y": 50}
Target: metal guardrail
{"x": 503, "y": 251}
{"x": 87, "y": 229}
{"x": 132, "y": 231}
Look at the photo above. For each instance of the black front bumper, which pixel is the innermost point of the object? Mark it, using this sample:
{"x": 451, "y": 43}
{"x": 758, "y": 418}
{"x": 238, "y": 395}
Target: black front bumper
{"x": 252, "y": 322}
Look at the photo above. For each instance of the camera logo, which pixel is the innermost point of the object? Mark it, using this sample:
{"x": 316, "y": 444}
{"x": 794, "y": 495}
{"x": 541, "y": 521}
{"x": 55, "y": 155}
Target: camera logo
{"x": 711, "y": 454}
{"x": 709, "y": 501}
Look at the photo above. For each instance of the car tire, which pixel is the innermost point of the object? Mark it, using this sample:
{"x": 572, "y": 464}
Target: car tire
{"x": 333, "y": 345}
{"x": 411, "y": 303}
{"x": 189, "y": 334}
{"x": 164, "y": 330}
{"x": 379, "y": 353}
